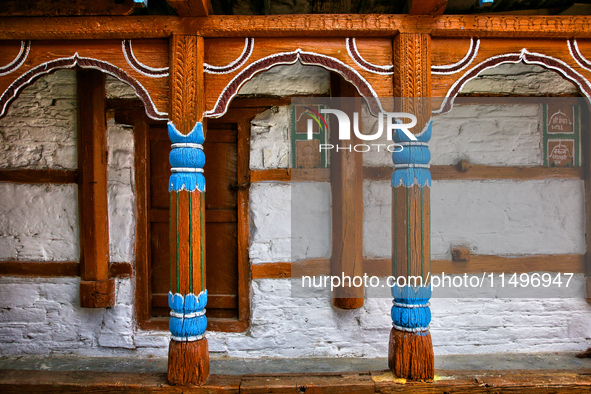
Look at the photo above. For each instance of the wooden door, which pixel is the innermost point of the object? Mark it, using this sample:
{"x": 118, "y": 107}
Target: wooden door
{"x": 226, "y": 222}
{"x": 221, "y": 219}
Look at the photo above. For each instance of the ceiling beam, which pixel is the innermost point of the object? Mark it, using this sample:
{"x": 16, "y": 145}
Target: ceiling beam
{"x": 426, "y": 7}
{"x": 191, "y": 7}
{"x": 367, "y": 25}
{"x": 66, "y": 8}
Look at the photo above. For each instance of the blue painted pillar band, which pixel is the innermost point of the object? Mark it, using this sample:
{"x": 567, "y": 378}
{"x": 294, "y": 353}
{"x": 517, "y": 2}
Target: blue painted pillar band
{"x": 187, "y": 159}
{"x": 411, "y": 164}
{"x": 410, "y": 308}
{"x": 187, "y": 316}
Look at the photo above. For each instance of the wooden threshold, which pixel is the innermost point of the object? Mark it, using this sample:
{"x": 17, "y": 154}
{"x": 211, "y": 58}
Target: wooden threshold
{"x": 477, "y": 172}
{"x": 478, "y": 263}
{"x": 446, "y": 381}
{"x": 213, "y": 324}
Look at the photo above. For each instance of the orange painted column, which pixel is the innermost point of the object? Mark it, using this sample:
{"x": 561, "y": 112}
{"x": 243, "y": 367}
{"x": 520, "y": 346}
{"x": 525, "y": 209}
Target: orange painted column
{"x": 410, "y": 353}
{"x": 188, "y": 355}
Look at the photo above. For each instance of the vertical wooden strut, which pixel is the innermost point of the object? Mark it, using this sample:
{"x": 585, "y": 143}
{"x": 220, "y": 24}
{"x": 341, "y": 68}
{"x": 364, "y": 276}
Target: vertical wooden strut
{"x": 410, "y": 353}
{"x": 188, "y": 355}
{"x": 97, "y": 290}
{"x": 347, "y": 204}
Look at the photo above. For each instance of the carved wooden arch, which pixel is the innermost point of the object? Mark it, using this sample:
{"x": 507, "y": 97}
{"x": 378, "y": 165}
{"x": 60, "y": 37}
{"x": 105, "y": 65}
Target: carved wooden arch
{"x": 365, "y": 64}
{"x": 35, "y": 73}
{"x": 306, "y": 58}
{"x": 561, "y": 56}
{"x": 524, "y": 56}
{"x": 113, "y": 57}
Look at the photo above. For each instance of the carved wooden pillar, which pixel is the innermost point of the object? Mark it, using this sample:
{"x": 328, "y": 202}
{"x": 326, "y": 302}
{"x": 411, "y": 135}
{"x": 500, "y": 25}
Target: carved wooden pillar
{"x": 411, "y": 350}
{"x": 188, "y": 355}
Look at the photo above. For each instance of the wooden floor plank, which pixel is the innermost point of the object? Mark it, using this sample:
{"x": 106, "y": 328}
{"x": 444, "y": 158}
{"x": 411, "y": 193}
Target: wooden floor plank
{"x": 309, "y": 384}
{"x": 509, "y": 381}
{"x": 446, "y": 381}
{"x": 22, "y": 381}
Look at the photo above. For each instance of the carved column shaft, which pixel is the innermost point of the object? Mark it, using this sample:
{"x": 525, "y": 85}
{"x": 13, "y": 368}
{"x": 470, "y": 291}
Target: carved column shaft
{"x": 411, "y": 350}
{"x": 188, "y": 356}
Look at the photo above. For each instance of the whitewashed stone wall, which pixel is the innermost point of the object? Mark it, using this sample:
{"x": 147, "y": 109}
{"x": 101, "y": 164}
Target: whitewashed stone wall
{"x": 40, "y": 223}
{"x": 519, "y": 79}
{"x": 42, "y": 316}
{"x": 492, "y": 217}
{"x": 296, "y": 79}
{"x": 270, "y": 145}
{"x": 310, "y": 327}
{"x": 39, "y": 130}
{"x": 121, "y": 185}
{"x": 496, "y": 135}
{"x": 505, "y": 217}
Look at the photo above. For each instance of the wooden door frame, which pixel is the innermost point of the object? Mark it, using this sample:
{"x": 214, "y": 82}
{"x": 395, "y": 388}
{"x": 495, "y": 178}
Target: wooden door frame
{"x": 241, "y": 112}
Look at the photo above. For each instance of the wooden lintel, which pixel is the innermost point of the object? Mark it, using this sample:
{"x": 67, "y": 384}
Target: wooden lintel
{"x": 426, "y": 7}
{"x": 191, "y": 7}
{"x": 338, "y": 25}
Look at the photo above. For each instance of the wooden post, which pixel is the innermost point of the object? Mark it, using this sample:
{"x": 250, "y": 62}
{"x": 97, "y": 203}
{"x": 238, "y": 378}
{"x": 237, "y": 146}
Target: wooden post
{"x": 96, "y": 289}
{"x": 586, "y": 163}
{"x": 347, "y": 205}
{"x": 188, "y": 355}
{"x": 410, "y": 353}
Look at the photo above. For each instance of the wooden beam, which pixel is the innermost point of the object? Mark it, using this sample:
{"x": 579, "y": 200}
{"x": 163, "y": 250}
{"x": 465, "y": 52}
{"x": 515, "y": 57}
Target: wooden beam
{"x": 346, "y": 172}
{"x": 426, "y": 7}
{"x": 279, "y": 174}
{"x": 271, "y": 271}
{"x": 289, "y": 175}
{"x": 142, "y": 307}
{"x": 342, "y": 25}
{"x": 52, "y": 269}
{"x": 586, "y": 164}
{"x": 66, "y": 8}
{"x": 97, "y": 290}
{"x": 39, "y": 176}
{"x": 40, "y": 268}
{"x": 243, "y": 218}
{"x": 478, "y": 264}
{"x": 191, "y": 7}
{"x": 452, "y": 172}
